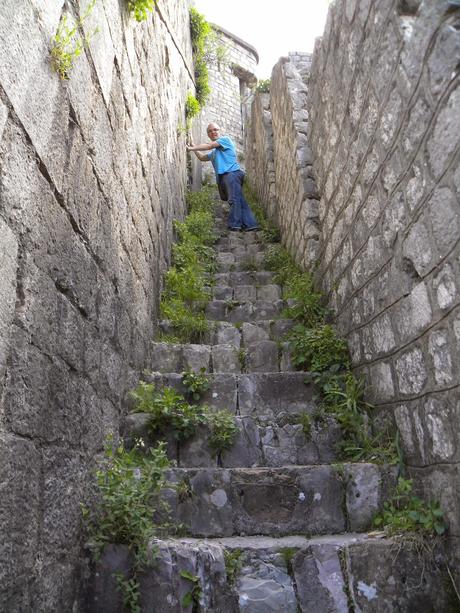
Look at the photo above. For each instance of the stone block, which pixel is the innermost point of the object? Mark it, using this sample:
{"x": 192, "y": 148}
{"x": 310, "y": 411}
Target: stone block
{"x": 167, "y": 357}
{"x": 252, "y": 333}
{"x": 267, "y": 310}
{"x": 225, "y": 359}
{"x": 3, "y": 117}
{"x": 414, "y": 312}
{"x": 262, "y": 356}
{"x": 265, "y": 585}
{"x": 222, "y": 292}
{"x": 274, "y": 395}
{"x": 241, "y": 312}
{"x": 227, "y": 334}
{"x": 269, "y": 293}
{"x": 246, "y": 449}
{"x": 196, "y": 357}
{"x": 245, "y": 293}
{"x": 104, "y": 595}
{"x": 411, "y": 371}
{"x": 216, "y": 310}
{"x": 386, "y": 577}
{"x": 318, "y": 576}
{"x": 195, "y": 452}
{"x": 438, "y": 346}
{"x": 366, "y": 487}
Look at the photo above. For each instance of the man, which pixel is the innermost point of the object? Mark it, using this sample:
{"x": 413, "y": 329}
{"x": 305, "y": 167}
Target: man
{"x": 229, "y": 176}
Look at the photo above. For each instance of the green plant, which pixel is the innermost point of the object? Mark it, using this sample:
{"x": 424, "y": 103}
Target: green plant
{"x": 130, "y": 592}
{"x": 185, "y": 292}
{"x": 202, "y": 41}
{"x": 140, "y": 9}
{"x": 233, "y": 564}
{"x": 192, "y": 109}
{"x": 197, "y": 383}
{"x": 223, "y": 430}
{"x": 67, "y": 44}
{"x": 263, "y": 86}
{"x": 192, "y": 597}
{"x": 169, "y": 411}
{"x": 128, "y": 487}
{"x": 287, "y": 554}
{"x": 307, "y": 303}
{"x": 242, "y": 357}
{"x": 405, "y": 512}
{"x": 317, "y": 349}
{"x": 306, "y": 420}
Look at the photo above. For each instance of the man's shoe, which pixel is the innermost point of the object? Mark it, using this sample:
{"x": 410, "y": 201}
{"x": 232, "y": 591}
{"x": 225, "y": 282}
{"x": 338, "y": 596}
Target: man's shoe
{"x": 253, "y": 229}
{"x": 235, "y": 229}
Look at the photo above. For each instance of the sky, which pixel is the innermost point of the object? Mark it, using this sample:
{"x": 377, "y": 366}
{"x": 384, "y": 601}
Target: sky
{"x": 273, "y": 28}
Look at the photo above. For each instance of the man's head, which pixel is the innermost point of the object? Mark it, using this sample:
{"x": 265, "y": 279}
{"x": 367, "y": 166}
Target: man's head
{"x": 213, "y": 131}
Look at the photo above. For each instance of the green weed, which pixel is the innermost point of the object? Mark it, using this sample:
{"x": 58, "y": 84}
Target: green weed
{"x": 405, "y": 512}
{"x": 67, "y": 45}
{"x": 140, "y": 9}
{"x": 233, "y": 564}
{"x": 196, "y": 383}
{"x": 192, "y": 597}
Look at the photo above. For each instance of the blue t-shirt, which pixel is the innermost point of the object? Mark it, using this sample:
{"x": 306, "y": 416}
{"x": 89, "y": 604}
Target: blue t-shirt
{"x": 223, "y": 158}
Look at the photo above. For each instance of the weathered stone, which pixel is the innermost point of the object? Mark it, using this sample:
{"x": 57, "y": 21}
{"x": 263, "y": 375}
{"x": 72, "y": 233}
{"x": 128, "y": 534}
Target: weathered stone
{"x": 252, "y": 333}
{"x": 367, "y": 486}
{"x": 381, "y": 580}
{"x": 269, "y": 293}
{"x": 411, "y": 372}
{"x": 226, "y": 334}
{"x": 262, "y": 356}
{"x": 8, "y": 266}
{"x": 104, "y": 593}
{"x": 265, "y": 585}
{"x": 245, "y": 293}
{"x": 274, "y": 395}
{"x": 225, "y": 359}
{"x": 167, "y": 357}
{"x": 196, "y": 357}
{"x": 318, "y": 576}
{"x": 222, "y": 292}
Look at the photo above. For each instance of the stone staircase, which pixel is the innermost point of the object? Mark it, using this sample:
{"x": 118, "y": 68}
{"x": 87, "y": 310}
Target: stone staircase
{"x": 276, "y": 523}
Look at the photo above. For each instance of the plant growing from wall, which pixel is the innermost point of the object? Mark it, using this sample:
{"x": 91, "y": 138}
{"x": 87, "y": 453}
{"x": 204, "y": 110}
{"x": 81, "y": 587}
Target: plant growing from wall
{"x": 263, "y": 86}
{"x": 67, "y": 44}
{"x": 192, "y": 109}
{"x": 405, "y": 512}
{"x": 140, "y": 9}
{"x": 197, "y": 383}
{"x": 128, "y": 494}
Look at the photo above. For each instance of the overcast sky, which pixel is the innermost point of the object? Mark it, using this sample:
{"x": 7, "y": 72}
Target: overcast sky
{"x": 273, "y": 28}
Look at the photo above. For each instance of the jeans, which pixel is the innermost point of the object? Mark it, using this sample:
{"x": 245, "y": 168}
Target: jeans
{"x": 241, "y": 216}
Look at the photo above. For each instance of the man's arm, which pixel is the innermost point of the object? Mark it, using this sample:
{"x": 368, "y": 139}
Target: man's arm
{"x": 203, "y": 147}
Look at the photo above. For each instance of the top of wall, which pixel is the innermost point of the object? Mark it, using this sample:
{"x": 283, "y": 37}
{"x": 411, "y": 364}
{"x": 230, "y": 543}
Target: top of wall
{"x": 238, "y": 41}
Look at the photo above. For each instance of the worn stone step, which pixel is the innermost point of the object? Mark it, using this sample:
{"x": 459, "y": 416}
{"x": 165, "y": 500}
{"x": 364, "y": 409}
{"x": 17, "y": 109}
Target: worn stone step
{"x": 308, "y": 500}
{"x": 247, "y": 293}
{"x": 256, "y": 444}
{"x": 228, "y": 357}
{"x": 238, "y": 312}
{"x": 287, "y": 574}
{"x": 258, "y": 278}
{"x": 268, "y": 397}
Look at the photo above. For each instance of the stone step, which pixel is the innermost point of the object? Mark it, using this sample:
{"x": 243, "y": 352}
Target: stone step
{"x": 267, "y": 397}
{"x": 238, "y": 312}
{"x": 258, "y": 278}
{"x": 256, "y": 444}
{"x": 257, "y": 356}
{"x": 211, "y": 502}
{"x": 246, "y": 293}
{"x": 288, "y": 574}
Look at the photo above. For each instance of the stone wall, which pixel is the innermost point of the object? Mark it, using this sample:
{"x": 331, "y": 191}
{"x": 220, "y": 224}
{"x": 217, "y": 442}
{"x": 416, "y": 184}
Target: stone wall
{"x": 291, "y": 186}
{"x": 92, "y": 174}
{"x": 383, "y": 124}
{"x": 384, "y": 133}
{"x": 260, "y": 165}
